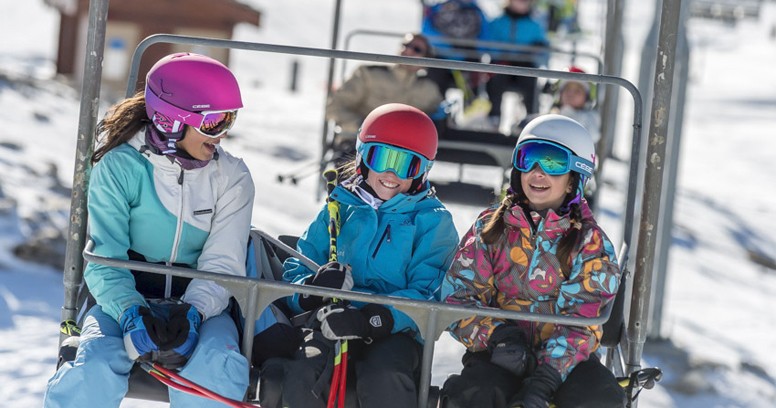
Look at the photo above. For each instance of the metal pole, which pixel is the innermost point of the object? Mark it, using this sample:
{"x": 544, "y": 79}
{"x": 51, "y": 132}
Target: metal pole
{"x": 329, "y": 90}
{"x": 653, "y": 177}
{"x": 87, "y": 121}
{"x": 613, "y": 51}
{"x": 669, "y": 195}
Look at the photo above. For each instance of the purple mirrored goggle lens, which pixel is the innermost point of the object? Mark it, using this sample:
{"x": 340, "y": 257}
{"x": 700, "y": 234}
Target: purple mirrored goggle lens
{"x": 553, "y": 159}
{"x": 402, "y": 162}
{"x": 215, "y": 124}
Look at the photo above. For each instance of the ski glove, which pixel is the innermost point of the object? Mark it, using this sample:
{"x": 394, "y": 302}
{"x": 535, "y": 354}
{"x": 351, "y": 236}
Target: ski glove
{"x": 183, "y": 335}
{"x": 332, "y": 275}
{"x": 339, "y": 322}
{"x": 143, "y": 332}
{"x": 508, "y": 349}
{"x": 151, "y": 338}
{"x": 537, "y": 390}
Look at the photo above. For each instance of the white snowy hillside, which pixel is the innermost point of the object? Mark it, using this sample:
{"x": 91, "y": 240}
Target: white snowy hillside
{"x": 720, "y": 295}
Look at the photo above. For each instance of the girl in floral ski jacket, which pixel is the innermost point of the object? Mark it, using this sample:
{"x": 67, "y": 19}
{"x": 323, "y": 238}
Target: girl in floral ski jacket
{"x": 539, "y": 251}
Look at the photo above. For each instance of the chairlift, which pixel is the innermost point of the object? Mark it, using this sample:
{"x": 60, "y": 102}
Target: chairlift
{"x": 253, "y": 294}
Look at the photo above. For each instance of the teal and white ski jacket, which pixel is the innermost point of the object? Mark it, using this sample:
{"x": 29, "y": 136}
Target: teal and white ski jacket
{"x": 402, "y": 249}
{"x": 145, "y": 203}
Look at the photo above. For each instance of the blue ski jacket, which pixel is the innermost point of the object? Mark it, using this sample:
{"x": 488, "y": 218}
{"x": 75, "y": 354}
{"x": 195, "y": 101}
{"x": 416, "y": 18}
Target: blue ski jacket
{"x": 522, "y": 30}
{"x": 401, "y": 249}
{"x": 144, "y": 203}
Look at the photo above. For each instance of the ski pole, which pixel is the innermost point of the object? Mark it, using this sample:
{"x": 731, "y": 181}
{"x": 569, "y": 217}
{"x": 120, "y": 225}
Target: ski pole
{"x": 173, "y": 380}
{"x": 339, "y": 375}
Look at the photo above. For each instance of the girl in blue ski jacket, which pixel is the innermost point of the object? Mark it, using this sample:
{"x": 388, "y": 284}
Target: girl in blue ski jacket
{"x": 164, "y": 191}
{"x": 396, "y": 239}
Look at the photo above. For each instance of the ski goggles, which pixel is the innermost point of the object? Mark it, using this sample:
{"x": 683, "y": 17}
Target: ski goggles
{"x": 380, "y": 157}
{"x": 208, "y": 123}
{"x": 216, "y": 123}
{"x": 553, "y": 159}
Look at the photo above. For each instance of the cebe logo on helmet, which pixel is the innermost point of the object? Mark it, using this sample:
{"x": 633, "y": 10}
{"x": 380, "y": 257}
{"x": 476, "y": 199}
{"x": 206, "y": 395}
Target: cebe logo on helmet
{"x": 397, "y": 138}
{"x": 180, "y": 86}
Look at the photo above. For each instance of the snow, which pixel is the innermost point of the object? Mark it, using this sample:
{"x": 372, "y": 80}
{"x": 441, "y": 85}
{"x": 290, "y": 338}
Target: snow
{"x": 718, "y": 313}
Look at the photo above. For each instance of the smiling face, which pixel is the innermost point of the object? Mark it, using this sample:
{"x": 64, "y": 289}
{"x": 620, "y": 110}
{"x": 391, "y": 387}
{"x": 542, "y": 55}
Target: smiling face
{"x": 387, "y": 185}
{"x": 199, "y": 146}
{"x": 544, "y": 191}
{"x": 574, "y": 95}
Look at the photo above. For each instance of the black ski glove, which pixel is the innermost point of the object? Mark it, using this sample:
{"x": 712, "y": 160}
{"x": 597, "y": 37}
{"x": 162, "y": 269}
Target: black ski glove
{"x": 538, "y": 389}
{"x": 339, "y": 322}
{"x": 508, "y": 349}
{"x": 331, "y": 275}
{"x": 182, "y": 335}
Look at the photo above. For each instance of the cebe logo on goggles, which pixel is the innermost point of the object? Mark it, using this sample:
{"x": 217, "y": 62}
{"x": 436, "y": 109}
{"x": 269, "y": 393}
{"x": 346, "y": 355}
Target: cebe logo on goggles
{"x": 381, "y": 157}
{"x": 212, "y": 124}
{"x": 553, "y": 158}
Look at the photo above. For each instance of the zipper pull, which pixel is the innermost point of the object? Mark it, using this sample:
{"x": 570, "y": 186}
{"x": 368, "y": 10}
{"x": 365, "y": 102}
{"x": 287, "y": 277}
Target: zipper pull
{"x": 180, "y": 178}
{"x": 388, "y": 233}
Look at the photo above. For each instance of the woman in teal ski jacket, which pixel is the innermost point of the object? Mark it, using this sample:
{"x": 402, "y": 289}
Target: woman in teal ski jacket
{"x": 396, "y": 239}
{"x": 164, "y": 191}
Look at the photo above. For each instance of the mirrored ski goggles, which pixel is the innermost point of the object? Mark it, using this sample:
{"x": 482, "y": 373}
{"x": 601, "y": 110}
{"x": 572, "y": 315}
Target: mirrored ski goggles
{"x": 208, "y": 123}
{"x": 216, "y": 123}
{"x": 553, "y": 159}
{"x": 380, "y": 157}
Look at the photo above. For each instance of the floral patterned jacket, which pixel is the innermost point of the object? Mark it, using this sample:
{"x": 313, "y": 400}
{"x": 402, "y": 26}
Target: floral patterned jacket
{"x": 522, "y": 273}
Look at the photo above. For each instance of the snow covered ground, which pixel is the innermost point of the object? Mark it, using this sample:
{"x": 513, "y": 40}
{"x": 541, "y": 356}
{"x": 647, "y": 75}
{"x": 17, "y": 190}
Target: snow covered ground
{"x": 718, "y": 321}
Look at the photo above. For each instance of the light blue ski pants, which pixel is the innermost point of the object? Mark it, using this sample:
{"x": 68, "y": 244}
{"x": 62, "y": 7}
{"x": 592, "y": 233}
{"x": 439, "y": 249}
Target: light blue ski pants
{"x": 98, "y": 377}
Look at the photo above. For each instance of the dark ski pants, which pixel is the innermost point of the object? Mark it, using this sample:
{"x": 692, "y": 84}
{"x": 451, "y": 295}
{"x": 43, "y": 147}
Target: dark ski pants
{"x": 482, "y": 384}
{"x": 525, "y": 86}
{"x": 384, "y": 373}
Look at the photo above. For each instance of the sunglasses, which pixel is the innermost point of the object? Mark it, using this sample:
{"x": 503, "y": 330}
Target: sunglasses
{"x": 415, "y": 48}
{"x": 380, "y": 157}
{"x": 553, "y": 159}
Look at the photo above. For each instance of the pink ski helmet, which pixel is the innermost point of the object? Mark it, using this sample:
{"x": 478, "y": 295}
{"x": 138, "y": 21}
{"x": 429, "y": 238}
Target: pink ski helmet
{"x": 181, "y": 85}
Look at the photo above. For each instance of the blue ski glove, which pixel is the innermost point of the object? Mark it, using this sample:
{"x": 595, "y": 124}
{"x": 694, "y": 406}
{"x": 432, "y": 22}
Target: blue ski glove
{"x": 169, "y": 342}
{"x": 182, "y": 335}
{"x": 143, "y": 332}
{"x": 339, "y": 322}
{"x": 538, "y": 389}
{"x": 332, "y": 275}
{"x": 508, "y": 349}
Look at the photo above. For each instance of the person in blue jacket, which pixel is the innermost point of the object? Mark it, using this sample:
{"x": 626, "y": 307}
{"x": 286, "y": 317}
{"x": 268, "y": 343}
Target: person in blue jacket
{"x": 163, "y": 190}
{"x": 453, "y": 27}
{"x": 516, "y": 26}
{"x": 396, "y": 239}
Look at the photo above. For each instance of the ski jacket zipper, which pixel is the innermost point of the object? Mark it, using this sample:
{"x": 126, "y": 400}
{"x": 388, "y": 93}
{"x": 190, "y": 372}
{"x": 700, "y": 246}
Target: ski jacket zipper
{"x": 176, "y": 241}
{"x": 386, "y": 237}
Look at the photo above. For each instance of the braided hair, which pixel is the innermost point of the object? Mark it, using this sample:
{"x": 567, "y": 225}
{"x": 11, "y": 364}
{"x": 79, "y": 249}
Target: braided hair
{"x": 494, "y": 229}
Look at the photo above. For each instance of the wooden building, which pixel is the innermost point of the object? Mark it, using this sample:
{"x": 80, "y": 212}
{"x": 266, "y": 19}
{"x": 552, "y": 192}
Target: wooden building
{"x": 130, "y": 21}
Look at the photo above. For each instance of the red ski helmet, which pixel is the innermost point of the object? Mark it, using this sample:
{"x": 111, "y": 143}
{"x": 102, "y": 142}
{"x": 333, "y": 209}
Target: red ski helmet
{"x": 183, "y": 83}
{"x": 402, "y": 126}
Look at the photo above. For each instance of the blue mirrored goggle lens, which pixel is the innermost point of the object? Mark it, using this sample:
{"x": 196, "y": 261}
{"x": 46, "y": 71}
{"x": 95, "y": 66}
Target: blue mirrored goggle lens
{"x": 554, "y": 160}
{"x": 215, "y": 124}
{"x": 382, "y": 158}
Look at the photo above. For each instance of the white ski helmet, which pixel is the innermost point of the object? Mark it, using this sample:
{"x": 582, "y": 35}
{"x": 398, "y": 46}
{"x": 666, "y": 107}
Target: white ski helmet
{"x": 566, "y": 132}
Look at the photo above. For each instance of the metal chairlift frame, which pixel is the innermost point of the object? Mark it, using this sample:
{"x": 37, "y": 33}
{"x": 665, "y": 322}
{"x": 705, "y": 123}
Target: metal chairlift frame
{"x": 254, "y": 295}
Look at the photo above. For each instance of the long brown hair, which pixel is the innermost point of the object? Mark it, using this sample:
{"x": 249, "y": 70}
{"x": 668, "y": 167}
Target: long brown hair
{"x": 494, "y": 229}
{"x": 121, "y": 122}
